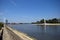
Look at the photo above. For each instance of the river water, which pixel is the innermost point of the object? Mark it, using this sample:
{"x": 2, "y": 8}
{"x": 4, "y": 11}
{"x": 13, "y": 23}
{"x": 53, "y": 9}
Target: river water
{"x": 39, "y": 32}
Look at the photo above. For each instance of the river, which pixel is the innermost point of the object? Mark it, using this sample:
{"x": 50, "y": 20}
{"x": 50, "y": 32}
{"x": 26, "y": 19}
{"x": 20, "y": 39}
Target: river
{"x": 39, "y": 32}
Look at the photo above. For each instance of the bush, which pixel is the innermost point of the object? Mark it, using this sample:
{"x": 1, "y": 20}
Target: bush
{"x": 1, "y": 25}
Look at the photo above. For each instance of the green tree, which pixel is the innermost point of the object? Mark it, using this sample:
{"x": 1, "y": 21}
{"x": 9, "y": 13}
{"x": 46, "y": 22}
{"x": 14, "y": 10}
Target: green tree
{"x": 42, "y": 21}
{"x": 55, "y": 20}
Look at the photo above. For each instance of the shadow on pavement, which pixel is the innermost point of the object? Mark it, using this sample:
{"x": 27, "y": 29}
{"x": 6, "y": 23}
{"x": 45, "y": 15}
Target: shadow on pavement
{"x": 1, "y": 35}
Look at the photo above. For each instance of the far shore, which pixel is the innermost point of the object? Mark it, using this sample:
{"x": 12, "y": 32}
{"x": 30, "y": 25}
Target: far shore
{"x": 48, "y": 24}
{"x": 40, "y": 24}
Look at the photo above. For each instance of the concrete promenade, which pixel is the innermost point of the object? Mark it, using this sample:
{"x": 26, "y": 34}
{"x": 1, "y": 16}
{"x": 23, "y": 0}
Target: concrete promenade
{"x": 11, "y": 34}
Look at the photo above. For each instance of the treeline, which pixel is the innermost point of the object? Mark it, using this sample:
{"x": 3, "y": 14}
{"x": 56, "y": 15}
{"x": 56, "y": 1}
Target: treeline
{"x": 1, "y": 25}
{"x": 54, "y": 20}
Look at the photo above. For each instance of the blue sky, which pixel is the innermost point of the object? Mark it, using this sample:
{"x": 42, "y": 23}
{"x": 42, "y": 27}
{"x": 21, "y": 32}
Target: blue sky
{"x": 29, "y": 10}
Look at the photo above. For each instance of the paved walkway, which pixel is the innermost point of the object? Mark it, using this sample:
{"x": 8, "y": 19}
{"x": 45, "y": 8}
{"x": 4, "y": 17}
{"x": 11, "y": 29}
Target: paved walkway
{"x": 9, "y": 35}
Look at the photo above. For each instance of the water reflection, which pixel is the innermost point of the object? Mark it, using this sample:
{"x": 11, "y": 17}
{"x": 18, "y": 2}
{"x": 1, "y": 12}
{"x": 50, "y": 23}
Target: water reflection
{"x": 42, "y": 28}
{"x": 45, "y": 28}
{"x": 49, "y": 29}
{"x": 50, "y": 32}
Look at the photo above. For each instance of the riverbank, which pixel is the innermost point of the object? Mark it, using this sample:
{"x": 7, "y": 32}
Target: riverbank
{"x": 20, "y": 35}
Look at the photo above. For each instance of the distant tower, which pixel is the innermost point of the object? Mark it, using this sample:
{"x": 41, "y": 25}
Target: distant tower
{"x": 6, "y": 21}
